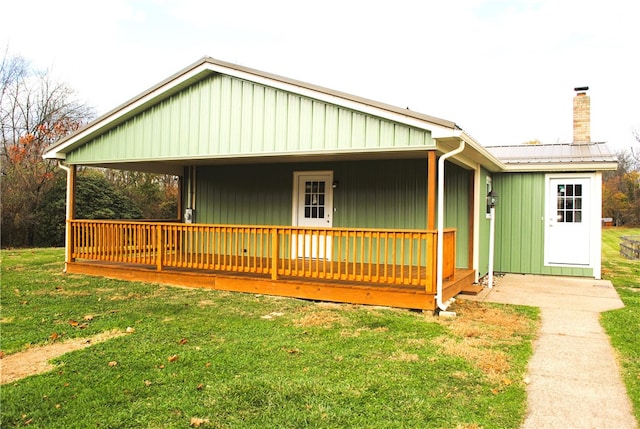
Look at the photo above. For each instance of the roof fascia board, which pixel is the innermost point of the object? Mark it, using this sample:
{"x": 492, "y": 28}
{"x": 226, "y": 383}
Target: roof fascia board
{"x": 561, "y": 167}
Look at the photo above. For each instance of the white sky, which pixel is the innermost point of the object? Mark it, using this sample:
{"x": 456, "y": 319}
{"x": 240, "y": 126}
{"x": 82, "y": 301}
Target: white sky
{"x": 503, "y": 70}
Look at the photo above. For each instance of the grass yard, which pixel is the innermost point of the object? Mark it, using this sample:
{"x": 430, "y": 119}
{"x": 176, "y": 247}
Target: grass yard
{"x": 213, "y": 359}
{"x": 623, "y": 325}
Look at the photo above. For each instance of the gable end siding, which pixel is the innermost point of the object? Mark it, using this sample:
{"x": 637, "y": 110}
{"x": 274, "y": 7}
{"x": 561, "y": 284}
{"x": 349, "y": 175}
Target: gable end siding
{"x": 222, "y": 116}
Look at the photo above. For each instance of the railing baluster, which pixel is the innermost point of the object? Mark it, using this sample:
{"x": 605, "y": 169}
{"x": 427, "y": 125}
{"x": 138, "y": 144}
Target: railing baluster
{"x": 402, "y": 257}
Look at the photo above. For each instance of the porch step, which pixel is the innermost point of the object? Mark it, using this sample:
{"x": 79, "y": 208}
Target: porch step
{"x": 472, "y": 289}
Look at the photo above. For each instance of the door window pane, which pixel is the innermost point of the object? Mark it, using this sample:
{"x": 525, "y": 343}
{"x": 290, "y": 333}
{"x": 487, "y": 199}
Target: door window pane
{"x": 314, "y": 199}
{"x": 569, "y": 207}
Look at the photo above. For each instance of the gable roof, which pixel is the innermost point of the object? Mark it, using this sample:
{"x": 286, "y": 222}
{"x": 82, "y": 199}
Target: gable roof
{"x": 207, "y": 66}
{"x": 557, "y": 157}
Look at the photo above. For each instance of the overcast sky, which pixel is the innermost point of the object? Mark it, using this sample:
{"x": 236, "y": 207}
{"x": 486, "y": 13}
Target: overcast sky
{"x": 503, "y": 70}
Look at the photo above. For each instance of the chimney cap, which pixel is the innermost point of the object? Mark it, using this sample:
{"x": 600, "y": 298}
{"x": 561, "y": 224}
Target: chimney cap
{"x": 581, "y": 88}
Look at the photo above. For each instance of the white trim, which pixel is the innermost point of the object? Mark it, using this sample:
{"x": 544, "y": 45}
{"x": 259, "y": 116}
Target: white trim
{"x": 564, "y": 167}
{"x": 595, "y": 215}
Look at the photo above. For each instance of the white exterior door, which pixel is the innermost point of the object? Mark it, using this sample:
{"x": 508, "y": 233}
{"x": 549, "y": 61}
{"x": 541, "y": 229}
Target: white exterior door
{"x": 312, "y": 207}
{"x": 568, "y": 221}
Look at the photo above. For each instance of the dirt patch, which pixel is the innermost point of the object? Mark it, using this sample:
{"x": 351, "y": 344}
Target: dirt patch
{"x": 320, "y": 318}
{"x": 36, "y": 359}
{"x": 479, "y": 331}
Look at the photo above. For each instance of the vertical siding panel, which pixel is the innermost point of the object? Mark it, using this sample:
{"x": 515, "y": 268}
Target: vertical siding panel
{"x": 293, "y": 123}
{"x": 519, "y": 230}
{"x": 193, "y": 102}
{"x": 281, "y": 121}
{"x": 318, "y": 126}
{"x": 416, "y": 138}
{"x": 331, "y": 131}
{"x": 215, "y": 116}
{"x": 204, "y": 115}
{"x": 225, "y": 116}
{"x": 372, "y": 132}
{"x": 358, "y": 131}
{"x": 386, "y": 134}
{"x": 269, "y": 140}
{"x": 235, "y": 107}
{"x": 257, "y": 122}
{"x": 246, "y": 118}
{"x": 401, "y": 136}
{"x": 156, "y": 132}
{"x": 305, "y": 122}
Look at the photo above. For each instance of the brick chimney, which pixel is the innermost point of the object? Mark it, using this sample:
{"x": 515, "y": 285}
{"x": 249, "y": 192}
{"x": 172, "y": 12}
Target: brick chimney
{"x": 581, "y": 116}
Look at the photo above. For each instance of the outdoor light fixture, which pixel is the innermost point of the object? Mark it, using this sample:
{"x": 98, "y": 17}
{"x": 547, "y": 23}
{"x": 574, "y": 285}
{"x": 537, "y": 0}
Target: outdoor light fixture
{"x": 335, "y": 184}
{"x": 492, "y": 199}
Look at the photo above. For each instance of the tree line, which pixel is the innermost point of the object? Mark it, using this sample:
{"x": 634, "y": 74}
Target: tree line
{"x": 36, "y": 111}
{"x": 621, "y": 189}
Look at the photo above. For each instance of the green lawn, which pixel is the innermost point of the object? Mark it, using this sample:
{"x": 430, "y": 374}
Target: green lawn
{"x": 242, "y": 360}
{"x": 623, "y": 326}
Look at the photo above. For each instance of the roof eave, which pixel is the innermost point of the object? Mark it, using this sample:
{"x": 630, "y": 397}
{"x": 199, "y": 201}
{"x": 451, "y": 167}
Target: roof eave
{"x": 568, "y": 167}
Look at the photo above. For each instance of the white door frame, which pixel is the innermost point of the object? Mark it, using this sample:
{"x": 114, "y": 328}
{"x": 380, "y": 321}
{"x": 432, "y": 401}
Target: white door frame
{"x": 594, "y": 207}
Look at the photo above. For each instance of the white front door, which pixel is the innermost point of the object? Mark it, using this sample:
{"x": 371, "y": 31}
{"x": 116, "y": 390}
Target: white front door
{"x": 568, "y": 221}
{"x": 312, "y": 207}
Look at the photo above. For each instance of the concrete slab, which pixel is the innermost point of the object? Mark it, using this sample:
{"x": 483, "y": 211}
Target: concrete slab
{"x": 574, "y": 378}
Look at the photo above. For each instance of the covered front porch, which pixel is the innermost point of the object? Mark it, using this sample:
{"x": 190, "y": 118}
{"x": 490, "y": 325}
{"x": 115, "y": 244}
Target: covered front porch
{"x": 390, "y": 267}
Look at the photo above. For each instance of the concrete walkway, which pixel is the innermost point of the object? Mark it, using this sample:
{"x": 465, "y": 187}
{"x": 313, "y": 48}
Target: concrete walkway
{"x": 574, "y": 377}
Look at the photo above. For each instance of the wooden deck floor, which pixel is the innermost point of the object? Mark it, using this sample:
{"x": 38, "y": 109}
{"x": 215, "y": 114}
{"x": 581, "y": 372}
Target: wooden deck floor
{"x": 321, "y": 289}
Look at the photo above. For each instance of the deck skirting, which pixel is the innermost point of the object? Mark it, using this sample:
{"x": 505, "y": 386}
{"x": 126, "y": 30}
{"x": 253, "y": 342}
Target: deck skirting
{"x": 409, "y": 297}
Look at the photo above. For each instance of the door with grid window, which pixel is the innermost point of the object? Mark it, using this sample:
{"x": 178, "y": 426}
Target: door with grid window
{"x": 568, "y": 221}
{"x": 313, "y": 207}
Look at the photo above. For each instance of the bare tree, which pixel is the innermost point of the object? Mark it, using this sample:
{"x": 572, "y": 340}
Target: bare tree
{"x": 35, "y": 112}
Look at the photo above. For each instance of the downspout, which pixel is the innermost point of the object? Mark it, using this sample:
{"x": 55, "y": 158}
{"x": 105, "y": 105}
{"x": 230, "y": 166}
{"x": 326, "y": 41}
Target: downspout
{"x": 440, "y": 251}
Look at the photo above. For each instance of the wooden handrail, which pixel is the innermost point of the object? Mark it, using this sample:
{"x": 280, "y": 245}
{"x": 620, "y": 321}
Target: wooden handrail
{"x": 369, "y": 255}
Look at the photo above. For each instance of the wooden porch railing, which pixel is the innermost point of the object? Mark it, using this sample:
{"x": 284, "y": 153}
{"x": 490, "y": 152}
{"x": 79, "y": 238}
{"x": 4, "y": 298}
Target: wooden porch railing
{"x": 396, "y": 257}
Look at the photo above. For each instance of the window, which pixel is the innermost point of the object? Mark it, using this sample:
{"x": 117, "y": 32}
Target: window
{"x": 314, "y": 195}
{"x": 569, "y": 209}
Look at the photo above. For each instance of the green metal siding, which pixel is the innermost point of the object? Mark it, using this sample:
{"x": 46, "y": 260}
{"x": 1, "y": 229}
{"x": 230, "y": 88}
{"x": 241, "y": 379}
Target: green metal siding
{"x": 458, "y": 188}
{"x": 222, "y": 116}
{"x": 520, "y": 226}
{"x": 370, "y": 194}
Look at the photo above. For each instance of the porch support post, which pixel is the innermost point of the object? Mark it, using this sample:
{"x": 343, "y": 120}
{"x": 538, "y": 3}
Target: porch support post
{"x": 71, "y": 210}
{"x": 431, "y": 191}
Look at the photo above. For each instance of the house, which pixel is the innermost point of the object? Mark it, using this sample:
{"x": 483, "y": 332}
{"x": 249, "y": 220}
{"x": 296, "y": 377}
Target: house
{"x": 293, "y": 189}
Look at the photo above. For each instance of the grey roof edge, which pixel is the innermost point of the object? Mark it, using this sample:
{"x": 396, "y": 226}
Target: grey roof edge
{"x": 215, "y": 62}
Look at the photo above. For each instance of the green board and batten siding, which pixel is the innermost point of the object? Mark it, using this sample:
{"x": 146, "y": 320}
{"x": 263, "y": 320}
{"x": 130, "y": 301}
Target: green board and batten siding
{"x": 370, "y": 194}
{"x": 222, "y": 116}
{"x": 519, "y": 240}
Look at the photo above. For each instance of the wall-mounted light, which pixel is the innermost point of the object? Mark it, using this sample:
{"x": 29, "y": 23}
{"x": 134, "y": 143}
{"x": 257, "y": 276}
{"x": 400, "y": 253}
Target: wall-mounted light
{"x": 492, "y": 199}
{"x": 335, "y": 184}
